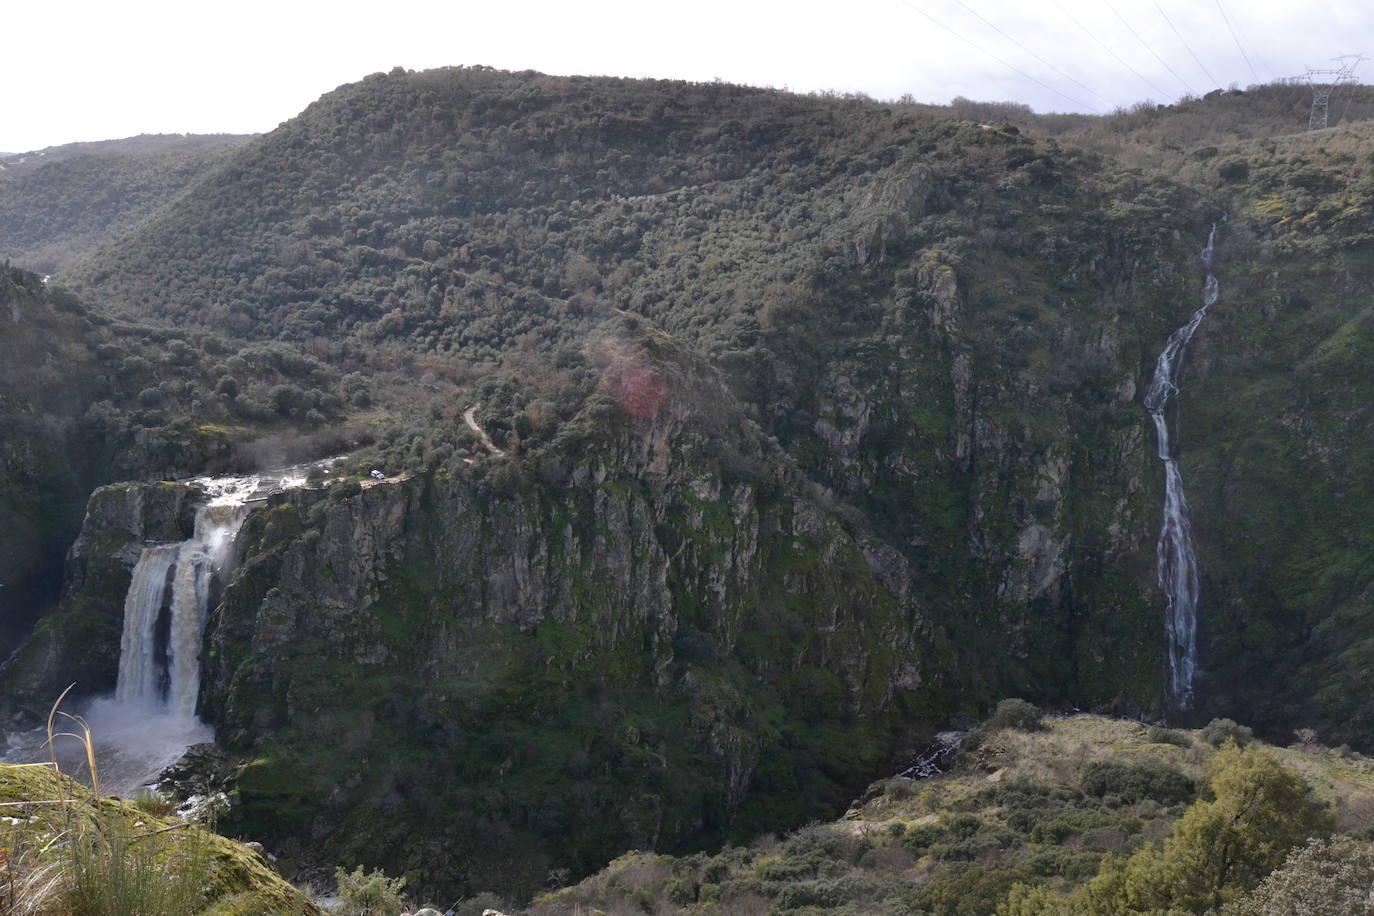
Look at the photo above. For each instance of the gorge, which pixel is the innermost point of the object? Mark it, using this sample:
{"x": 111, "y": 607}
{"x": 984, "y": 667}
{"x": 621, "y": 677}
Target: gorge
{"x": 734, "y": 443}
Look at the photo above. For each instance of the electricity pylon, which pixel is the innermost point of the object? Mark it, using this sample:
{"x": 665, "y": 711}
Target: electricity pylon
{"x": 1324, "y": 81}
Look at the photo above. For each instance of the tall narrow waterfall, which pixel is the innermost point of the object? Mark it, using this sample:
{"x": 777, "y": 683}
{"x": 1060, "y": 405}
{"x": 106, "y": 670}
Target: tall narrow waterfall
{"x": 1177, "y": 562}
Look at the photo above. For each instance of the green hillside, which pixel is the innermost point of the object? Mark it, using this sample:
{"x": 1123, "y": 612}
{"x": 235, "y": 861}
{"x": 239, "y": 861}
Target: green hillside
{"x": 1044, "y": 821}
{"x": 85, "y": 400}
{"x": 61, "y": 203}
{"x": 814, "y": 425}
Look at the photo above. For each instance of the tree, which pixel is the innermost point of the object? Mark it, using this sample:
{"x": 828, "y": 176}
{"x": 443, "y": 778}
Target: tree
{"x": 1216, "y": 852}
{"x": 1323, "y": 878}
{"x": 1220, "y": 849}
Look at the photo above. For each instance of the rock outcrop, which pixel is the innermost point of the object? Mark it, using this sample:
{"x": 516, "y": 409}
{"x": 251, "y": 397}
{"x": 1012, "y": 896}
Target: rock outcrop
{"x": 702, "y": 650}
{"x": 79, "y": 642}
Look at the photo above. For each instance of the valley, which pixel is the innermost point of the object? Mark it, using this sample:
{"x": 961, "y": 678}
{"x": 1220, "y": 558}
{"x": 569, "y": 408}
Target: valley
{"x": 733, "y": 443}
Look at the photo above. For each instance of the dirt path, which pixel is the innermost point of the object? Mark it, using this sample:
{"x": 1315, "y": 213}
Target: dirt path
{"x": 470, "y": 417}
{"x": 370, "y": 482}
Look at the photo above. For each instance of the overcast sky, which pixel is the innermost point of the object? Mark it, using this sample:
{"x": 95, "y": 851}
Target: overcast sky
{"x": 91, "y": 71}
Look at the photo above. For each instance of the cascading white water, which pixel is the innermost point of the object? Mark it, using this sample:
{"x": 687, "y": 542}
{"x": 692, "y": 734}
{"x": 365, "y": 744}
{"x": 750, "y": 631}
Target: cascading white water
{"x": 151, "y": 720}
{"x": 169, "y": 599}
{"x": 142, "y": 607}
{"x": 165, "y": 611}
{"x": 1177, "y": 568}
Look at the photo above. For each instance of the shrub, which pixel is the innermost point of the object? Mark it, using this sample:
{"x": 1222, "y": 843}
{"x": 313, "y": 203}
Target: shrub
{"x": 1323, "y": 878}
{"x": 1307, "y": 739}
{"x": 1071, "y": 824}
{"x": 344, "y": 489}
{"x": 1217, "y": 731}
{"x": 370, "y": 894}
{"x": 829, "y": 894}
{"x": 1069, "y": 863}
{"x": 969, "y": 849}
{"x": 681, "y": 892}
{"x": 1174, "y": 736}
{"x": 821, "y": 841}
{"x": 1015, "y": 713}
{"x": 892, "y": 859}
{"x": 1234, "y": 170}
{"x": 963, "y": 826}
{"x": 921, "y": 837}
{"x": 969, "y": 892}
{"x": 1133, "y": 782}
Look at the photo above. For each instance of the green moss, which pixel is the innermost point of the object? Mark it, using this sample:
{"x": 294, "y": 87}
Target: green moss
{"x": 240, "y": 882}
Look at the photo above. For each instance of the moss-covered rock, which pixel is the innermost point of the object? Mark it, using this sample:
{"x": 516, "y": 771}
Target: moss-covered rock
{"x": 701, "y": 654}
{"x": 46, "y": 813}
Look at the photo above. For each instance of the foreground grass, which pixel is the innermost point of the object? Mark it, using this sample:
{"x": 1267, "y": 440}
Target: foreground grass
{"x": 67, "y": 851}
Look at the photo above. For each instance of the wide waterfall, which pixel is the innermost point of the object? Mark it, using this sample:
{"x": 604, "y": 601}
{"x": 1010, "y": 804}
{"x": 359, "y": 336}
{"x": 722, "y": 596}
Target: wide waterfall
{"x": 1177, "y": 569}
{"x": 165, "y": 611}
{"x": 151, "y": 719}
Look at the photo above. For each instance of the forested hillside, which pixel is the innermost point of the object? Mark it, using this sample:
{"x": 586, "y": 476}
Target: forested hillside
{"x": 61, "y": 203}
{"x": 85, "y": 400}
{"x": 883, "y": 288}
{"x": 814, "y": 424}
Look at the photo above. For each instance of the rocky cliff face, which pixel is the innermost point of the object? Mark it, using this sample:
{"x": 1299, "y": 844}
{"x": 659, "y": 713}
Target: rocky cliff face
{"x": 479, "y": 678}
{"x": 79, "y": 643}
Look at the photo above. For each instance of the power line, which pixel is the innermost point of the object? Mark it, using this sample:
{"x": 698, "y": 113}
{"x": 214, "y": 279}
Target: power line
{"x": 1042, "y": 60}
{"x": 1284, "y": 104}
{"x": 1106, "y": 47}
{"x": 1227, "y": 20}
{"x": 1185, "y": 45}
{"x": 1148, "y": 48}
{"x": 976, "y": 47}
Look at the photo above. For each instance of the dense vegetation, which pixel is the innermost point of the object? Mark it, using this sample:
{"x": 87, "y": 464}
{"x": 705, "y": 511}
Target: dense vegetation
{"x": 1077, "y": 816}
{"x": 85, "y": 400}
{"x": 888, "y": 354}
{"x": 469, "y": 230}
{"x": 60, "y": 204}
{"x": 462, "y": 233}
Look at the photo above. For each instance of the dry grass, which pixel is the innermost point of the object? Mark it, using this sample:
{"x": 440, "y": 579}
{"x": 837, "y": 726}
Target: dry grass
{"x": 1058, "y": 755}
{"x": 68, "y": 850}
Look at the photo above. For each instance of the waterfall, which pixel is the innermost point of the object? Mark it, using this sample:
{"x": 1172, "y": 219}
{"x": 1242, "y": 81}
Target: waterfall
{"x": 1177, "y": 569}
{"x": 150, "y": 721}
{"x": 171, "y": 594}
{"x": 165, "y": 611}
